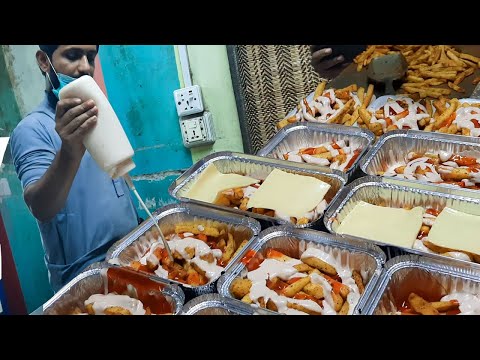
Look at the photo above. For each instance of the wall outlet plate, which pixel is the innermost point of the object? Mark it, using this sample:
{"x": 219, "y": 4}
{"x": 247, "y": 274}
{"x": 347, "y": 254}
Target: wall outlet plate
{"x": 188, "y": 100}
{"x": 197, "y": 130}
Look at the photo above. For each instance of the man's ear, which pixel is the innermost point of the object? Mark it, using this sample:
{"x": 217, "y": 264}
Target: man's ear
{"x": 42, "y": 61}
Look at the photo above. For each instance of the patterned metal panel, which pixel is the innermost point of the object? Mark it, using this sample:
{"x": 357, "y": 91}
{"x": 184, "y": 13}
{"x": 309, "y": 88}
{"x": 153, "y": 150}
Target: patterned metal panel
{"x": 270, "y": 81}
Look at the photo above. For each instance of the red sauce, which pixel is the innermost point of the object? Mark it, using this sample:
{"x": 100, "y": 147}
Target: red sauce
{"x": 149, "y": 292}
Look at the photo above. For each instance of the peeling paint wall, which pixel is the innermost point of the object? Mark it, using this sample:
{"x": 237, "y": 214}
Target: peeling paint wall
{"x": 140, "y": 81}
{"x": 16, "y": 99}
{"x": 27, "y": 80}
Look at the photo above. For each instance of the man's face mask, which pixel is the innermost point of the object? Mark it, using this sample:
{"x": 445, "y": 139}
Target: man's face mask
{"x": 63, "y": 80}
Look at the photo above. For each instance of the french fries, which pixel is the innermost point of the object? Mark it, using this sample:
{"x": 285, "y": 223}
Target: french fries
{"x": 421, "y": 306}
{"x": 417, "y": 305}
{"x": 201, "y": 258}
{"x": 332, "y": 106}
{"x": 428, "y": 66}
{"x": 315, "y": 293}
{"x": 240, "y": 287}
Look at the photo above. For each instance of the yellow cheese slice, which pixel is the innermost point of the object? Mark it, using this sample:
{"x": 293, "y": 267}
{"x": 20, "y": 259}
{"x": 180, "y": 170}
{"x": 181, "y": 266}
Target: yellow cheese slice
{"x": 456, "y": 230}
{"x": 394, "y": 226}
{"x": 211, "y": 182}
{"x": 289, "y": 194}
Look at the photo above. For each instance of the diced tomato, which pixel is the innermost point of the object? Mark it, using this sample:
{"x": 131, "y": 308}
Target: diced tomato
{"x": 277, "y": 285}
{"x": 336, "y": 285}
{"x": 202, "y": 237}
{"x": 432, "y": 212}
{"x": 292, "y": 280}
{"x": 449, "y": 120}
{"x": 304, "y": 296}
{"x": 309, "y": 151}
{"x": 356, "y": 153}
{"x": 252, "y": 260}
{"x": 464, "y": 160}
{"x": 254, "y": 264}
{"x": 453, "y": 312}
{"x": 248, "y": 256}
{"x": 271, "y": 253}
{"x": 335, "y": 145}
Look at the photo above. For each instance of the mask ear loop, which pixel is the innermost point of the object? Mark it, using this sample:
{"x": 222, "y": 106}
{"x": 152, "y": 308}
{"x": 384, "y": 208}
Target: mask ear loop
{"x": 48, "y": 75}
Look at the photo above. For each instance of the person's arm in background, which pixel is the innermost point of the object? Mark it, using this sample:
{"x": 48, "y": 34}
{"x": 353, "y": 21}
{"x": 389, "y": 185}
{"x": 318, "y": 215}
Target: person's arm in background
{"x": 47, "y": 181}
{"x": 330, "y": 60}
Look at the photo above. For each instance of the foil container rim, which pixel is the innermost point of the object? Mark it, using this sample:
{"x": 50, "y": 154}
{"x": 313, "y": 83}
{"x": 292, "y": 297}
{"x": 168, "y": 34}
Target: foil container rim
{"x": 164, "y": 211}
{"x": 354, "y": 243}
{"x": 206, "y": 301}
{"x": 122, "y": 244}
{"x": 332, "y": 128}
{"x": 349, "y": 131}
{"x": 345, "y": 243}
{"x": 173, "y": 290}
{"x": 346, "y": 193}
{"x": 204, "y": 162}
{"x": 200, "y": 165}
{"x": 445, "y": 266}
{"x": 414, "y": 134}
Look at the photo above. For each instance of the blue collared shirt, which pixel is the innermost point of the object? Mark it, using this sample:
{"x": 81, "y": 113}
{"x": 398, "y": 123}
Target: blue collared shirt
{"x": 98, "y": 210}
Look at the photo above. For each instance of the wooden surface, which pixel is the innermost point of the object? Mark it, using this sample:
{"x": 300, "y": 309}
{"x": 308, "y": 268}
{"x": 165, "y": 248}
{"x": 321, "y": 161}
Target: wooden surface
{"x": 351, "y": 76}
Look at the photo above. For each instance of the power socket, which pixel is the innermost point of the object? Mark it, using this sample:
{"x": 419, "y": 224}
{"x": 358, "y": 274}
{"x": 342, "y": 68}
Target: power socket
{"x": 198, "y": 130}
{"x": 188, "y": 100}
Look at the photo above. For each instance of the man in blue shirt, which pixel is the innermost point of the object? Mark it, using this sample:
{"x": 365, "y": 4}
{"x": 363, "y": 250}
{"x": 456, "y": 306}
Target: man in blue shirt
{"x": 79, "y": 209}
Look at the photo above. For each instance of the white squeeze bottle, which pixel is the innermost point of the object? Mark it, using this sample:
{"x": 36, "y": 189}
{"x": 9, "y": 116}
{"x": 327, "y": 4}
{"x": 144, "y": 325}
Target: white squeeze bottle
{"x": 107, "y": 142}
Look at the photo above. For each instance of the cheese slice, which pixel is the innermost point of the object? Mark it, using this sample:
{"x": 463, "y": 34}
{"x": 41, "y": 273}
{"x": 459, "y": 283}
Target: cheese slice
{"x": 289, "y": 194}
{"x": 212, "y": 181}
{"x": 394, "y": 226}
{"x": 456, "y": 230}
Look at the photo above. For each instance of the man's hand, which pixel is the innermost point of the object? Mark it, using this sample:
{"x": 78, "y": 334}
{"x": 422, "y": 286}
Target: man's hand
{"x": 326, "y": 66}
{"x": 74, "y": 120}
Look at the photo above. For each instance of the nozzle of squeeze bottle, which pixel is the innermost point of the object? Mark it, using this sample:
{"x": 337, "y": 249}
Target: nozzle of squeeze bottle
{"x": 129, "y": 182}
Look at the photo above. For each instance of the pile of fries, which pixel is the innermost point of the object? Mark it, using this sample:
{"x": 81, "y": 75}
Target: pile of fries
{"x": 340, "y": 106}
{"x": 429, "y": 66}
{"x": 453, "y": 117}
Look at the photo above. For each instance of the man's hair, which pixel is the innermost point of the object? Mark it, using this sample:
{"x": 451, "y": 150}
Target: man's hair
{"x": 50, "y": 49}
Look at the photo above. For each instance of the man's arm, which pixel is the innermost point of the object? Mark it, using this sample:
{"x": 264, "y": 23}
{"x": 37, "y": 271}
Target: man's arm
{"x": 47, "y": 195}
{"x": 329, "y": 60}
